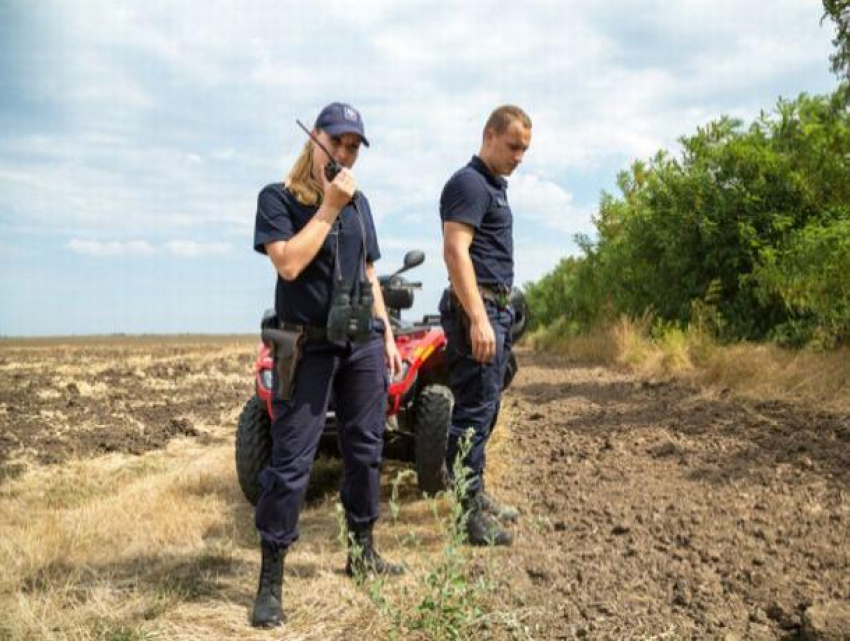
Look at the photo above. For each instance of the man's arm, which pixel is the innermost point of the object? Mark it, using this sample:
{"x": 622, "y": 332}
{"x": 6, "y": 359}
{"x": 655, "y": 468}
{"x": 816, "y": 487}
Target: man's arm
{"x": 457, "y": 238}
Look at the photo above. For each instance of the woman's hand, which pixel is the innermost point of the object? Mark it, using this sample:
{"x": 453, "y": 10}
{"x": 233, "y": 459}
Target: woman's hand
{"x": 394, "y": 365}
{"x": 340, "y": 191}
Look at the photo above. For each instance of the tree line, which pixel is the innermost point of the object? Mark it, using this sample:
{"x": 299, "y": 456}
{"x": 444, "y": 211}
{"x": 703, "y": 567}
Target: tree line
{"x": 746, "y": 232}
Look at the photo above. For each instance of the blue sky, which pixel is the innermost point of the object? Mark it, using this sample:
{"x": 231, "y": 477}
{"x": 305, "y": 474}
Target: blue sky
{"x": 135, "y": 136}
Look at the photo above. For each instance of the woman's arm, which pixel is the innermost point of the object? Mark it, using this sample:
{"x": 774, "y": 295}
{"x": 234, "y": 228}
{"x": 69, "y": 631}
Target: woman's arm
{"x": 380, "y": 311}
{"x": 290, "y": 257}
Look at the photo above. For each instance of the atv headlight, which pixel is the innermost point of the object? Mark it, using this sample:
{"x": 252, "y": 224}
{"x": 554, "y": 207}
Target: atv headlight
{"x": 266, "y": 378}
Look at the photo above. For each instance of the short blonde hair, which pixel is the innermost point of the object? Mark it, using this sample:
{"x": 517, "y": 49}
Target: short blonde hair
{"x": 503, "y": 116}
{"x": 300, "y": 180}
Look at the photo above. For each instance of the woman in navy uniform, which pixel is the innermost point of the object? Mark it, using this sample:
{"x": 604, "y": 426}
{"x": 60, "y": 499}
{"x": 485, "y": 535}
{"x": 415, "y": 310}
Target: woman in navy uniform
{"x": 320, "y": 237}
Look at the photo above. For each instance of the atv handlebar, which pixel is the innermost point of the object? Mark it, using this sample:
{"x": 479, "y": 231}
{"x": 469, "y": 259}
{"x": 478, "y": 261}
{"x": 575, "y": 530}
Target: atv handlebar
{"x": 397, "y": 281}
{"x": 397, "y": 291}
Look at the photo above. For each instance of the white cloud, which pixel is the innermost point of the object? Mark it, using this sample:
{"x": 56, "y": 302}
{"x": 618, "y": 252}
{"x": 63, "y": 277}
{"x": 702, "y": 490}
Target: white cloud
{"x": 533, "y": 258}
{"x": 192, "y": 249}
{"x": 223, "y": 155}
{"x": 544, "y": 202}
{"x": 128, "y": 248}
{"x": 402, "y": 244}
{"x": 111, "y": 248}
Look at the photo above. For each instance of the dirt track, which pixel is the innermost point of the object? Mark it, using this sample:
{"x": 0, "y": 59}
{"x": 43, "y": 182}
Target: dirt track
{"x": 649, "y": 510}
{"x": 655, "y": 508}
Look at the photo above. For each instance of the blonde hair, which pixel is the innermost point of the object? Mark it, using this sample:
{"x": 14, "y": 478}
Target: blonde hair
{"x": 504, "y": 116}
{"x": 300, "y": 180}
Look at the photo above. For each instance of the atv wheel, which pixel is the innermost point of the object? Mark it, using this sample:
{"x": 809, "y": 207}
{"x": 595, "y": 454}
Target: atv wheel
{"x": 432, "y": 414}
{"x": 253, "y": 447}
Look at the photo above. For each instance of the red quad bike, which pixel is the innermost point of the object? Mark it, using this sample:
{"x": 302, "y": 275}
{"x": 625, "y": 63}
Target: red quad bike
{"x": 419, "y": 401}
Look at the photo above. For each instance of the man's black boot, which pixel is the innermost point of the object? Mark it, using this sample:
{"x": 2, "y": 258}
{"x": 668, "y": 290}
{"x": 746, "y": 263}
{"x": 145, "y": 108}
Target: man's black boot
{"x": 481, "y": 527}
{"x": 268, "y": 604}
{"x": 362, "y": 556}
{"x": 503, "y": 512}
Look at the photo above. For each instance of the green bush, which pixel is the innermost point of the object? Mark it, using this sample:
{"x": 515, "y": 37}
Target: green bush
{"x": 810, "y": 273}
{"x": 736, "y": 230}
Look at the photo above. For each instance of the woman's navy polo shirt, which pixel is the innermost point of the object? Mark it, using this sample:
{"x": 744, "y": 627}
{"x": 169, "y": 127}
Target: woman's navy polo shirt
{"x": 478, "y": 198}
{"x": 307, "y": 299}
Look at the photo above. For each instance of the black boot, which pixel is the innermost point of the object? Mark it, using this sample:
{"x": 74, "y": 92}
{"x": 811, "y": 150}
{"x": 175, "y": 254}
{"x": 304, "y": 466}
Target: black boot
{"x": 505, "y": 513}
{"x": 481, "y": 527}
{"x": 268, "y": 605}
{"x": 362, "y": 556}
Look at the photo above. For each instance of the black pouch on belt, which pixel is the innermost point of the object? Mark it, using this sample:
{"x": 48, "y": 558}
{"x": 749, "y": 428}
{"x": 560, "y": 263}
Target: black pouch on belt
{"x": 287, "y": 348}
{"x": 461, "y": 316}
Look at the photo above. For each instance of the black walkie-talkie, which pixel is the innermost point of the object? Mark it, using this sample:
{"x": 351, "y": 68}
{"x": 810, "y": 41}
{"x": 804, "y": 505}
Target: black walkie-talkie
{"x": 333, "y": 167}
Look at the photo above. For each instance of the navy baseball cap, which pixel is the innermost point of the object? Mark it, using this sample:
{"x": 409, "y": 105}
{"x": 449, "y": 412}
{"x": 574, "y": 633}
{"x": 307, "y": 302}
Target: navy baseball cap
{"x": 341, "y": 118}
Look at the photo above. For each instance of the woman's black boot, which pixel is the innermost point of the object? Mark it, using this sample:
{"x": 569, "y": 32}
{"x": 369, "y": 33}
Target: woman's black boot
{"x": 268, "y": 605}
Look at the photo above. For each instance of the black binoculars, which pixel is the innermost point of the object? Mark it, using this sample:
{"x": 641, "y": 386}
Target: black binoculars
{"x": 351, "y": 320}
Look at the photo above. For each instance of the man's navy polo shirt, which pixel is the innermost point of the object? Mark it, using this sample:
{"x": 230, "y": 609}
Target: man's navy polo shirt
{"x": 477, "y": 197}
{"x": 307, "y": 299}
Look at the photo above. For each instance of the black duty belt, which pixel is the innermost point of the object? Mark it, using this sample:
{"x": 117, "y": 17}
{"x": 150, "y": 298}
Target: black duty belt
{"x": 312, "y": 332}
{"x": 500, "y": 296}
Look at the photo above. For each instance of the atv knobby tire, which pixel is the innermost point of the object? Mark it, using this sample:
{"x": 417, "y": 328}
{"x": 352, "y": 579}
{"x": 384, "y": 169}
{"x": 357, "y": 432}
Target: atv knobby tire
{"x": 432, "y": 413}
{"x": 253, "y": 447}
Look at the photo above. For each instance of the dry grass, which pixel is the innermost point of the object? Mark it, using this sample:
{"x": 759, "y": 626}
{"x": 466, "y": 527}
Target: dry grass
{"x": 769, "y": 372}
{"x": 163, "y": 546}
{"x": 750, "y": 370}
{"x": 595, "y": 346}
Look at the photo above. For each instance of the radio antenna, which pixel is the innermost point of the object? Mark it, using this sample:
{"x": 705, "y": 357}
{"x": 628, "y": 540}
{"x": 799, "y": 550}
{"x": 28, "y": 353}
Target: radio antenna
{"x": 316, "y": 140}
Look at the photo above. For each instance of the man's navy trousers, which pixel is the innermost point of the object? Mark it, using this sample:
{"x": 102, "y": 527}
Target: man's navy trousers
{"x": 477, "y": 387}
{"x": 356, "y": 377}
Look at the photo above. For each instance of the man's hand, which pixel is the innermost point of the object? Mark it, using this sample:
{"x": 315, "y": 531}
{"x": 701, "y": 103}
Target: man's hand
{"x": 483, "y": 340}
{"x": 340, "y": 191}
{"x": 394, "y": 365}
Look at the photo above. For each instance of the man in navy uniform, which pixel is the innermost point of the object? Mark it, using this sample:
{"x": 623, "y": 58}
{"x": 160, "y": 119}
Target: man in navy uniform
{"x": 475, "y": 311}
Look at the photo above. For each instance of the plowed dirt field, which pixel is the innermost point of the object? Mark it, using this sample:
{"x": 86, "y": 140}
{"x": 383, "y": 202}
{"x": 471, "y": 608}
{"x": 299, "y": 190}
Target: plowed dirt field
{"x": 649, "y": 509}
{"x": 657, "y": 507}
{"x": 62, "y": 398}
